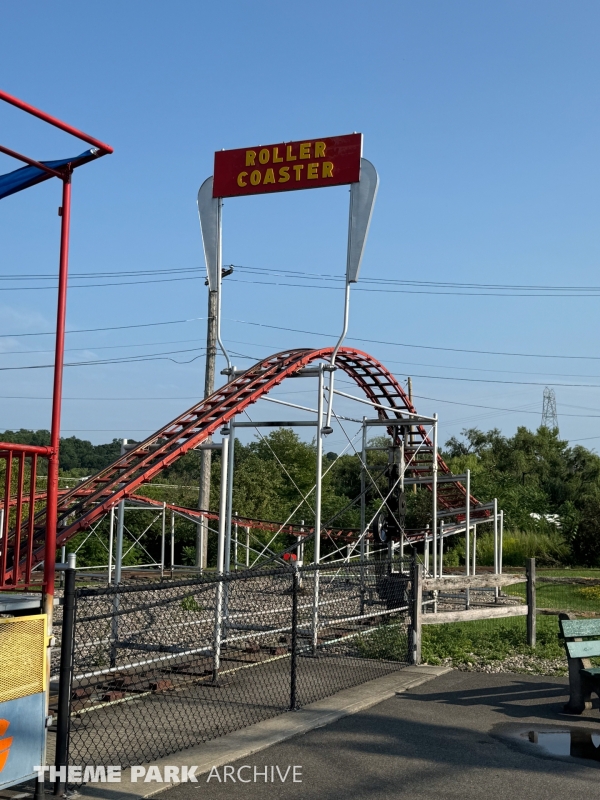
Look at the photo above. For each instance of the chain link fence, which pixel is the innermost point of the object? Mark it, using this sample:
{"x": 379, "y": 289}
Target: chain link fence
{"x": 161, "y": 667}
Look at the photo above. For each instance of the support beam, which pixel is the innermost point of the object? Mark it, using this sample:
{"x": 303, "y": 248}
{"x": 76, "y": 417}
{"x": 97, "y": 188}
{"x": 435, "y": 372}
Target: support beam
{"x": 218, "y": 627}
{"x": 434, "y": 508}
{"x": 467, "y": 522}
{"x": 229, "y": 512}
{"x": 317, "y": 537}
{"x": 277, "y": 424}
{"x": 172, "y": 542}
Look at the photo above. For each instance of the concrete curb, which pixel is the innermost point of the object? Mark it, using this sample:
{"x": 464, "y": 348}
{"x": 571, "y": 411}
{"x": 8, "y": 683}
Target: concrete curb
{"x": 247, "y": 741}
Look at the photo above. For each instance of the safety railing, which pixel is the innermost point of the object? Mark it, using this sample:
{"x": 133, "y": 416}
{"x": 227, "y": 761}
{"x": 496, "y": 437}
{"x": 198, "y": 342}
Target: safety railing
{"x": 18, "y": 477}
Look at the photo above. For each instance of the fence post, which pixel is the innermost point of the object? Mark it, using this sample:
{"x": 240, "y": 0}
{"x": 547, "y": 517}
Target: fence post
{"x": 294, "y": 651}
{"x": 417, "y": 610}
{"x": 65, "y": 682}
{"x": 531, "y": 607}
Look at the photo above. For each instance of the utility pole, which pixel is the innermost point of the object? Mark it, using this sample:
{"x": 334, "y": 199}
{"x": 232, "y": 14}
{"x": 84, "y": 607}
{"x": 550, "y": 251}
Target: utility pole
{"x": 206, "y": 455}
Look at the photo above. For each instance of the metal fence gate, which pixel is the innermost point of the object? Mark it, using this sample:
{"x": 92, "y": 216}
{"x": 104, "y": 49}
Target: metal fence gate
{"x": 157, "y": 668}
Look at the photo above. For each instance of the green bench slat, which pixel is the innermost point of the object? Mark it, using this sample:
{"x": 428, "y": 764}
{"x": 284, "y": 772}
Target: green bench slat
{"x": 580, "y": 627}
{"x": 591, "y": 673}
{"x": 583, "y": 649}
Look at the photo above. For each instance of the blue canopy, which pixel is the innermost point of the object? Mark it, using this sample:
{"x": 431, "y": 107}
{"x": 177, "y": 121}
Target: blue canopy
{"x": 28, "y": 176}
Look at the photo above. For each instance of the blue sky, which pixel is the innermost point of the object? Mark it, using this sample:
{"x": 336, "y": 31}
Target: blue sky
{"x": 481, "y": 118}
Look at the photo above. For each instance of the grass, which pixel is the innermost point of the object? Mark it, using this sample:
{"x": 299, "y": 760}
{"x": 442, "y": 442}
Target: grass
{"x": 480, "y": 642}
{"x": 567, "y": 572}
{"x": 484, "y": 641}
{"x": 562, "y": 597}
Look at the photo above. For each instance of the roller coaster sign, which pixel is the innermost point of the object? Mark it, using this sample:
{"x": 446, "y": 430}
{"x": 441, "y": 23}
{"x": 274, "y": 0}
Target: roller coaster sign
{"x": 308, "y": 164}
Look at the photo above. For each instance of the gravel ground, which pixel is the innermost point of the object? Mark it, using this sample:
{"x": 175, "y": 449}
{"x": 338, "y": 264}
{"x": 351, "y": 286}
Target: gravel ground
{"x": 524, "y": 664}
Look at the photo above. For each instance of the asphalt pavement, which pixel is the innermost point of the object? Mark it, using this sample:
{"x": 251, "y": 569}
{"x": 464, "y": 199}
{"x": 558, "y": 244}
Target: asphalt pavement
{"x": 463, "y": 735}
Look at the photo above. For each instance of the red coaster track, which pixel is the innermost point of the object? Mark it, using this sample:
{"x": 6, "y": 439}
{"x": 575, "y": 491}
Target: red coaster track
{"x": 80, "y": 507}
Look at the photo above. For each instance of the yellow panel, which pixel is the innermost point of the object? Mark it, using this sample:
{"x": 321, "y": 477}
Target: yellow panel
{"x": 22, "y": 656}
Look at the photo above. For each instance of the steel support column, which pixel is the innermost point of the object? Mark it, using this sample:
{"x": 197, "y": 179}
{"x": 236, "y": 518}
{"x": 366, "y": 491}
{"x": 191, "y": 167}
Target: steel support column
{"x": 218, "y": 629}
{"x": 317, "y": 534}
{"x": 434, "y": 521}
{"x": 59, "y": 357}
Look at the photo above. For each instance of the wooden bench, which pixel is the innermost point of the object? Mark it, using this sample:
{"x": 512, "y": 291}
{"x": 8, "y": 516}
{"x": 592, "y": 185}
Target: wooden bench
{"x": 583, "y": 678}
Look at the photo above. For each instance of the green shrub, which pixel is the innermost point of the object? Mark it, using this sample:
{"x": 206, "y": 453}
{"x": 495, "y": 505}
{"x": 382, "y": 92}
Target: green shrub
{"x": 548, "y": 548}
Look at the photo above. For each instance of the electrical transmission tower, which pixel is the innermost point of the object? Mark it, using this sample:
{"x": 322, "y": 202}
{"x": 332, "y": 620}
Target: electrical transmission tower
{"x": 549, "y": 415}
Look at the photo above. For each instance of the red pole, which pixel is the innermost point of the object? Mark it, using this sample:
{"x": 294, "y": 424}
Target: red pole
{"x": 30, "y": 523}
{"x": 52, "y": 498}
{"x": 36, "y": 112}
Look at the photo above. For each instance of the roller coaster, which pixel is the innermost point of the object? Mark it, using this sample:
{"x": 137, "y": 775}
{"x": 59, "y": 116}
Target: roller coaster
{"x": 32, "y": 526}
{"x": 179, "y": 640}
{"x": 82, "y": 506}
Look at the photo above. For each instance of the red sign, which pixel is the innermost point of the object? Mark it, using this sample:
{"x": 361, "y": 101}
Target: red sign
{"x": 309, "y": 164}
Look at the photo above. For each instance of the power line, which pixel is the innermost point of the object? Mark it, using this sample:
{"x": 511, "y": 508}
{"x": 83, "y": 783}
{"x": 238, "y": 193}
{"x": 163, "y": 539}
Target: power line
{"x": 99, "y": 285}
{"x": 109, "y": 328}
{"x": 121, "y": 346}
{"x": 128, "y": 360}
{"x": 194, "y": 273}
{"x": 97, "y": 347}
{"x": 308, "y": 333}
{"x": 461, "y": 293}
{"x": 412, "y": 282}
{"x": 411, "y": 291}
{"x": 417, "y": 346}
{"x": 497, "y": 408}
{"x": 195, "y": 398}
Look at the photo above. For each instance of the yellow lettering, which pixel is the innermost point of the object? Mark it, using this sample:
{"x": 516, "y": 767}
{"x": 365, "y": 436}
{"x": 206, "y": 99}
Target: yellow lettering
{"x": 327, "y": 169}
{"x": 240, "y": 179}
{"x": 276, "y": 159}
{"x": 264, "y": 156}
{"x": 305, "y": 150}
{"x": 289, "y": 156}
{"x": 269, "y": 176}
{"x": 255, "y": 177}
{"x": 250, "y": 156}
{"x": 298, "y": 169}
{"x": 284, "y": 174}
{"x": 312, "y": 170}
{"x": 319, "y": 149}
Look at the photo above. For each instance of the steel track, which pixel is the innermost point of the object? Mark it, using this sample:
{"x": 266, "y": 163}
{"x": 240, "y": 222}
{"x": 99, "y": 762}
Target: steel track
{"x": 80, "y": 507}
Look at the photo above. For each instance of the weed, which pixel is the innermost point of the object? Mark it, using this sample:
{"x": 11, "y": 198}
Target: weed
{"x": 590, "y": 592}
{"x": 189, "y": 603}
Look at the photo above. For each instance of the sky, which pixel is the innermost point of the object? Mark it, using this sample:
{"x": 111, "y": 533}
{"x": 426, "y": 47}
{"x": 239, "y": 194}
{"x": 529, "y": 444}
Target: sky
{"x": 482, "y": 120}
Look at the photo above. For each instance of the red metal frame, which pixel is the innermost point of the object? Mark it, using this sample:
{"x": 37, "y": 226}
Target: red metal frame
{"x": 64, "y": 174}
{"x": 11, "y": 568}
{"x": 64, "y": 126}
